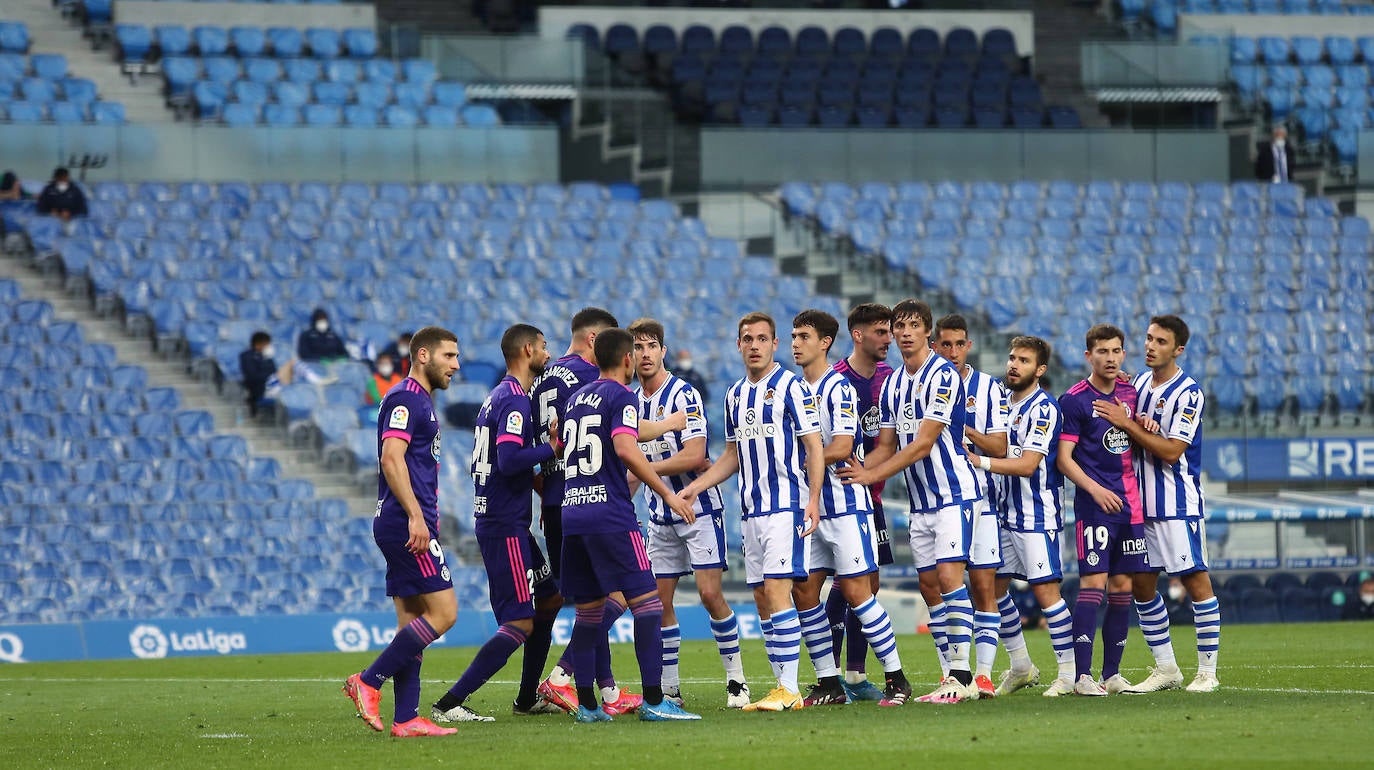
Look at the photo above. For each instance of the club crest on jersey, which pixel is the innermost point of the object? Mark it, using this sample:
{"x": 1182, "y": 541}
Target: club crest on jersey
{"x": 768, "y": 395}
{"x": 1159, "y": 405}
{"x": 971, "y": 403}
{"x": 1093, "y": 559}
{"x": 658, "y": 415}
{"x": 515, "y": 423}
{"x": 400, "y": 418}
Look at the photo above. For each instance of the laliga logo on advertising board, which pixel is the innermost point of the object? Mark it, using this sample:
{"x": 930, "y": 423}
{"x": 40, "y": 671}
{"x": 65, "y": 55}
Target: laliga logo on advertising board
{"x": 149, "y": 642}
{"x": 352, "y": 635}
{"x": 11, "y": 648}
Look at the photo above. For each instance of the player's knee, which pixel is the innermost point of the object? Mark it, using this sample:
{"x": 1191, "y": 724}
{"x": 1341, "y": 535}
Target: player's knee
{"x": 526, "y": 625}
{"x": 713, "y": 599}
{"x": 442, "y": 619}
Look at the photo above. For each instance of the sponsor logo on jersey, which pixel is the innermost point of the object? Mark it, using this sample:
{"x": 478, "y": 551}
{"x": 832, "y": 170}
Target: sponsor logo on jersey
{"x": 1116, "y": 441}
{"x": 400, "y": 418}
{"x": 515, "y": 424}
{"x": 630, "y": 416}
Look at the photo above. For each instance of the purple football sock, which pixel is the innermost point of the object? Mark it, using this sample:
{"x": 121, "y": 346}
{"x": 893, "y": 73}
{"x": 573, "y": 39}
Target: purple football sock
{"x": 536, "y": 655}
{"x": 408, "y": 643}
{"x": 649, "y": 648}
{"x": 612, "y": 613}
{"x": 405, "y": 686}
{"x": 490, "y": 659}
{"x": 836, "y": 612}
{"x": 582, "y": 650}
{"x": 1085, "y": 628}
{"x": 1114, "y": 628}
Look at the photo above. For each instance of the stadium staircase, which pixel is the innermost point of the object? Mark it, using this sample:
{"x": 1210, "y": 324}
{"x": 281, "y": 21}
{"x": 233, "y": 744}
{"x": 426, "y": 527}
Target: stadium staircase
{"x": 265, "y": 439}
{"x": 51, "y": 33}
{"x": 1061, "y": 27}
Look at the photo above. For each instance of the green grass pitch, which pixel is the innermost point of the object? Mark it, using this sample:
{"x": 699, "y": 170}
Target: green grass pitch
{"x": 1293, "y": 695}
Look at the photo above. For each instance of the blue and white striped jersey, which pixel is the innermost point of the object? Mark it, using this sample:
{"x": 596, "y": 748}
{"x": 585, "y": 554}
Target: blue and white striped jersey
{"x": 676, "y": 395}
{"x": 934, "y": 392}
{"x": 838, "y": 405}
{"x": 766, "y": 420}
{"x": 1034, "y": 503}
{"x": 985, "y": 402}
{"x": 1172, "y": 491}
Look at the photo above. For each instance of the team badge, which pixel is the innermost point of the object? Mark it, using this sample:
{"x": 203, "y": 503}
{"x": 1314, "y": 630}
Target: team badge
{"x": 768, "y": 395}
{"x": 971, "y": 403}
{"x": 400, "y": 418}
{"x": 659, "y": 414}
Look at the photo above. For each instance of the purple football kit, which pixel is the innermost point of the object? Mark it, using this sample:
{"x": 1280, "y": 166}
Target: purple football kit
{"x": 1107, "y": 542}
{"x": 603, "y": 549}
{"x": 549, "y": 398}
{"x": 870, "y": 390}
{"x": 407, "y": 413}
{"x": 504, "y": 460}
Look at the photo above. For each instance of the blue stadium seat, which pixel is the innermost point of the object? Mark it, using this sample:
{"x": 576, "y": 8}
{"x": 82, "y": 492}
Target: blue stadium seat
{"x": 134, "y": 41}
{"x": 286, "y": 42}
{"x": 360, "y": 43}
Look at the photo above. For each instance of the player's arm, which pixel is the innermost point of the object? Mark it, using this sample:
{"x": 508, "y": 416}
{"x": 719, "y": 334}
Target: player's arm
{"x": 1022, "y": 466}
{"x": 917, "y": 450}
{"x": 1107, "y": 499}
{"x": 689, "y": 458}
{"x": 393, "y": 462}
{"x": 990, "y": 444}
{"x": 840, "y": 448}
{"x": 627, "y": 449}
{"x": 815, "y": 477}
{"x": 1119, "y": 415}
{"x": 883, "y": 448}
{"x": 720, "y": 470}
{"x": 652, "y": 429}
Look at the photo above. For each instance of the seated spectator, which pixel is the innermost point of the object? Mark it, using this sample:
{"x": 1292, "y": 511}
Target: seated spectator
{"x": 61, "y": 198}
{"x": 686, "y": 371}
{"x": 384, "y": 378}
{"x": 400, "y": 353}
{"x": 10, "y": 188}
{"x": 1362, "y": 607}
{"x": 260, "y": 374}
{"x": 320, "y": 342}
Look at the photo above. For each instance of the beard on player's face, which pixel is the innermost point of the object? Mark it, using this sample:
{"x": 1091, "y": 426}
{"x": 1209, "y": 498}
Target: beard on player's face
{"x": 437, "y": 374}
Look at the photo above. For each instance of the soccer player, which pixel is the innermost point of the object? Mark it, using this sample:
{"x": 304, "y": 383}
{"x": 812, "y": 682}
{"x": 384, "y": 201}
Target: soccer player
{"x": 406, "y": 529}
{"x": 1096, "y": 456}
{"x": 523, "y": 595}
{"x": 870, "y": 329}
{"x": 844, "y": 544}
{"x": 566, "y": 376}
{"x": 985, "y": 435}
{"x": 1169, "y": 463}
{"x": 603, "y": 550}
{"x": 773, "y": 440}
{"x": 677, "y": 548}
{"x": 1030, "y": 508}
{"x": 922, "y": 425}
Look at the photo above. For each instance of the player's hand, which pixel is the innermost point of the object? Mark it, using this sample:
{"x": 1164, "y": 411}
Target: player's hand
{"x": 682, "y": 508}
{"x": 687, "y": 497}
{"x": 852, "y": 472}
{"x": 1106, "y": 499}
{"x": 418, "y": 542}
{"x": 1147, "y": 422}
{"x": 812, "y": 516}
{"x": 554, "y": 440}
{"x": 1116, "y": 412}
{"x": 675, "y": 422}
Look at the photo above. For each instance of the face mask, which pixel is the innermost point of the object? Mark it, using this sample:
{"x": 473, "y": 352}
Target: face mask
{"x": 1176, "y": 593}
{"x": 269, "y": 352}
{"x": 403, "y": 350}
{"x": 1020, "y": 585}
{"x": 62, "y": 186}
{"x": 1279, "y": 143}
{"x": 684, "y": 364}
{"x": 321, "y": 326}
{"x": 385, "y": 370}
{"x": 1367, "y": 599}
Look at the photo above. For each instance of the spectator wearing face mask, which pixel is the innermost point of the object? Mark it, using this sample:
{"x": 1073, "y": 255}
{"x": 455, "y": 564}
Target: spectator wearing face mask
{"x": 61, "y": 198}
{"x": 683, "y": 368}
{"x": 1177, "y": 603}
{"x": 1362, "y": 607}
{"x": 260, "y": 373}
{"x": 320, "y": 342}
{"x": 384, "y": 378}
{"x": 400, "y": 353}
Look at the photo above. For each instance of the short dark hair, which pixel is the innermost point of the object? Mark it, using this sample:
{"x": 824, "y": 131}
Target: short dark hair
{"x": 60, "y": 172}
{"x": 589, "y": 318}
{"x": 824, "y": 323}
{"x": 868, "y": 313}
{"x": 259, "y": 338}
{"x": 951, "y": 322}
{"x": 756, "y": 317}
{"x": 516, "y": 338}
{"x": 1042, "y": 348}
{"x": 405, "y": 336}
{"x": 913, "y": 308}
{"x": 647, "y": 327}
{"x": 612, "y": 345}
{"x": 1174, "y": 324}
{"x": 318, "y": 313}
{"x": 429, "y": 338}
{"x": 1100, "y": 332}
